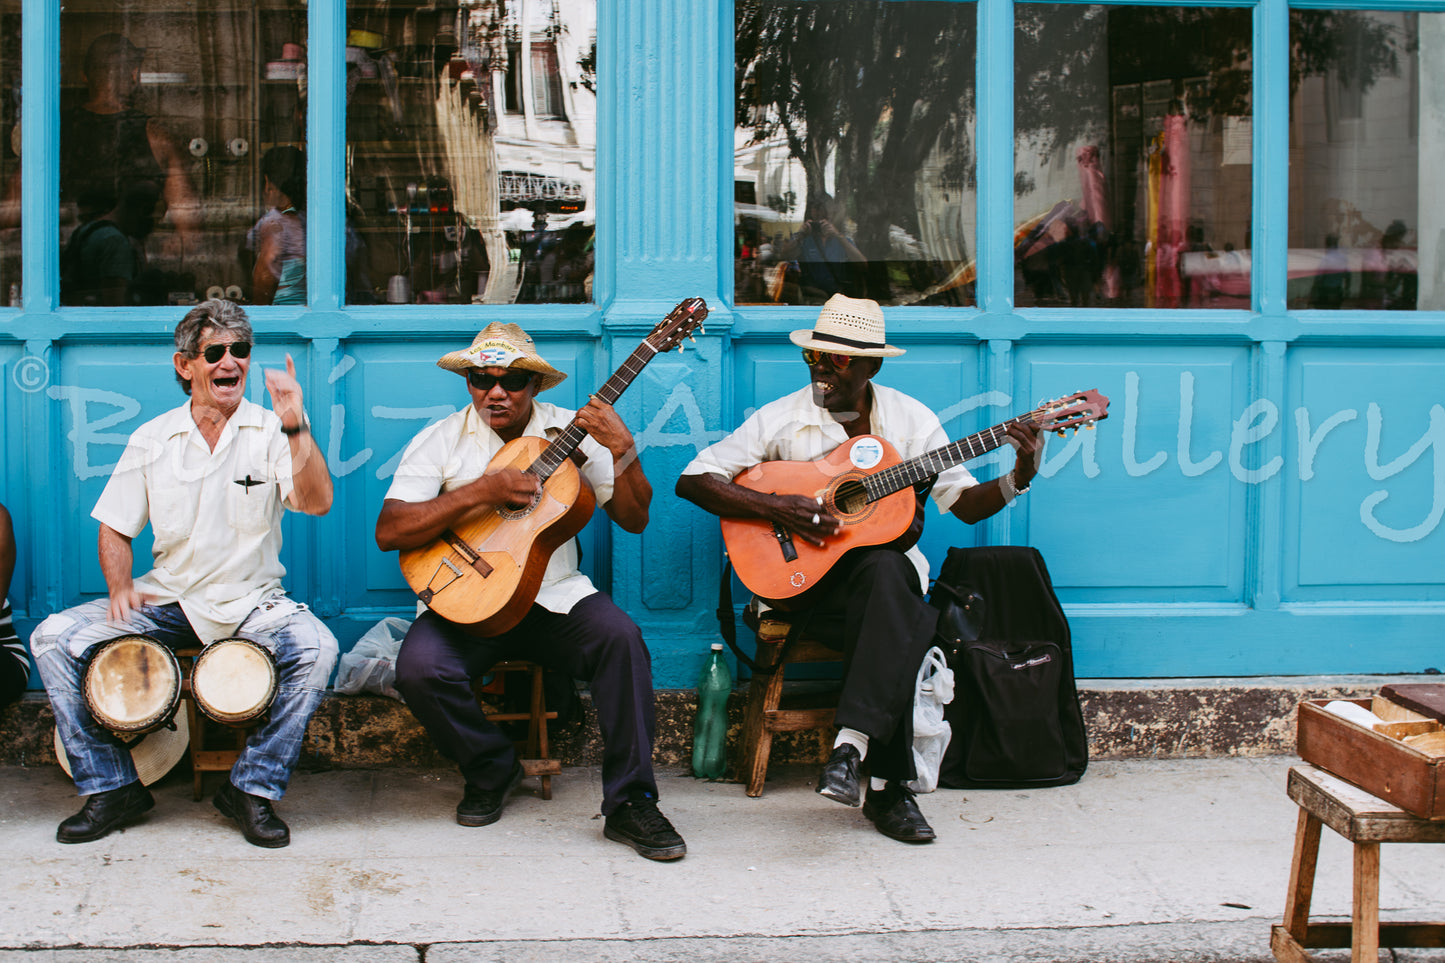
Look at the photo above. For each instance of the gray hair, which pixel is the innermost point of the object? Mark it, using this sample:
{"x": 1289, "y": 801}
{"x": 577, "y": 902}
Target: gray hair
{"x": 214, "y": 315}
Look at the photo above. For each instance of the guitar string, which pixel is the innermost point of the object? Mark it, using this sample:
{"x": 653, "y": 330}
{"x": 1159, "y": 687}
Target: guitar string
{"x": 558, "y": 451}
{"x": 897, "y": 477}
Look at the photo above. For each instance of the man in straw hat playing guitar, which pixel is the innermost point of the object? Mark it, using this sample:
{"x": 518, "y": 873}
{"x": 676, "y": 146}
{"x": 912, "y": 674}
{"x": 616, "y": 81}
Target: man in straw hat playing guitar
{"x": 442, "y": 478}
{"x": 870, "y": 603}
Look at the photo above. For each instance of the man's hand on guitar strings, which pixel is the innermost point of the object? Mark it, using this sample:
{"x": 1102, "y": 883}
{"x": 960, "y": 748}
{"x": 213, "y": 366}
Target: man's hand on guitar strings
{"x": 1028, "y": 446}
{"x": 602, "y": 422}
{"x": 506, "y": 486}
{"x": 805, "y": 517}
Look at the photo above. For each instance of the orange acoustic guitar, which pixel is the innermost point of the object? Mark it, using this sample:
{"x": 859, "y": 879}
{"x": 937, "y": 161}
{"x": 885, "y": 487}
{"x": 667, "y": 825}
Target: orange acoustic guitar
{"x": 483, "y": 573}
{"x": 867, "y": 487}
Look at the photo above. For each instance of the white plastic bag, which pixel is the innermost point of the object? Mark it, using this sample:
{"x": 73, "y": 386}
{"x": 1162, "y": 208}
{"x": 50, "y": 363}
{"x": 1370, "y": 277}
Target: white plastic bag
{"x": 931, "y": 730}
{"x": 370, "y": 666}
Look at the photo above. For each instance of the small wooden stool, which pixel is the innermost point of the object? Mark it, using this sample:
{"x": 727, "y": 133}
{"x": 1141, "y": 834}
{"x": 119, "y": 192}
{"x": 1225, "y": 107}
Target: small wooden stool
{"x": 204, "y": 760}
{"x": 1366, "y": 822}
{"x": 764, "y": 714}
{"x": 533, "y": 751}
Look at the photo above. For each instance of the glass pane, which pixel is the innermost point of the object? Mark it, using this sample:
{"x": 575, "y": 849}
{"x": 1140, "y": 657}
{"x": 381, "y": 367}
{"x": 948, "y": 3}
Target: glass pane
{"x": 471, "y": 132}
{"x": 1366, "y": 213}
{"x": 180, "y": 143}
{"x": 10, "y": 151}
{"x": 854, "y": 154}
{"x": 1132, "y": 156}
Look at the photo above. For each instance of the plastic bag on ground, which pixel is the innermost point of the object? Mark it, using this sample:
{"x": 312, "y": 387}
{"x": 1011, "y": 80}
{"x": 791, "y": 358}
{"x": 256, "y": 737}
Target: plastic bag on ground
{"x": 931, "y": 730}
{"x": 370, "y": 666}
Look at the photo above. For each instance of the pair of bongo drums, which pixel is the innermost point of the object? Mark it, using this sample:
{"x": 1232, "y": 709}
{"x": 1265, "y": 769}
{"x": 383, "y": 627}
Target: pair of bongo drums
{"x": 133, "y": 686}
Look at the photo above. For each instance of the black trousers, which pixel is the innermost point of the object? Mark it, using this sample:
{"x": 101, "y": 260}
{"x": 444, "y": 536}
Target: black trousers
{"x": 596, "y": 642}
{"x": 871, "y": 608}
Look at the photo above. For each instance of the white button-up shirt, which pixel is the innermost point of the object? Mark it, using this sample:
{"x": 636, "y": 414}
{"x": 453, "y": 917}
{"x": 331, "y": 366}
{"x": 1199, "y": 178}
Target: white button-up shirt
{"x": 457, "y": 450}
{"x": 795, "y": 428}
{"x": 216, "y": 515}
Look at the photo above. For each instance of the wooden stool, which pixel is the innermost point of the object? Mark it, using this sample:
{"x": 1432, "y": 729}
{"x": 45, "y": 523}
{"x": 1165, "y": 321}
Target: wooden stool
{"x": 1366, "y": 822}
{"x": 533, "y": 751}
{"x": 203, "y": 760}
{"x": 764, "y": 714}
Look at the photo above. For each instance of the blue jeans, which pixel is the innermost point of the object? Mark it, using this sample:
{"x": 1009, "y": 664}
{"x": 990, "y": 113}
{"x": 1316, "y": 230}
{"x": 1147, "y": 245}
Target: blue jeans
{"x": 305, "y": 653}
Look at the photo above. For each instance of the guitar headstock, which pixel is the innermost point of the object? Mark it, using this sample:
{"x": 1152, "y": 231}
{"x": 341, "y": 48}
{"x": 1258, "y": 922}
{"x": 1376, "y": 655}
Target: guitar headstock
{"x": 680, "y": 323}
{"x": 1071, "y": 412}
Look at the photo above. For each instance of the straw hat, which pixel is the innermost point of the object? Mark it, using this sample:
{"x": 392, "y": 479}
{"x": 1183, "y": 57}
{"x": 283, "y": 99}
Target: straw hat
{"x": 155, "y": 755}
{"x": 848, "y": 326}
{"x": 501, "y": 345}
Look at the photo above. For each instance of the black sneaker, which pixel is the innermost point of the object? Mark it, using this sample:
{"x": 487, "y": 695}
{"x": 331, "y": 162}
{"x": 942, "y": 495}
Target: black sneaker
{"x": 482, "y": 807}
{"x": 638, "y": 823}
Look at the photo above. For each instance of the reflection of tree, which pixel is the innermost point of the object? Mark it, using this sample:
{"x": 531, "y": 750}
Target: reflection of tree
{"x": 1353, "y": 43}
{"x": 871, "y": 91}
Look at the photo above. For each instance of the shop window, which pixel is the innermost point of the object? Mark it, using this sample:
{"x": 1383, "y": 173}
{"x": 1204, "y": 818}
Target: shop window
{"x": 10, "y": 151}
{"x": 855, "y": 141}
{"x": 1132, "y": 156}
{"x": 1366, "y": 211}
{"x": 471, "y": 147}
{"x": 182, "y": 170}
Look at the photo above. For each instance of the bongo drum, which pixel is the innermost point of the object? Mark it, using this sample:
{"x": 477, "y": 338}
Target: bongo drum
{"x": 132, "y": 684}
{"x": 234, "y": 681}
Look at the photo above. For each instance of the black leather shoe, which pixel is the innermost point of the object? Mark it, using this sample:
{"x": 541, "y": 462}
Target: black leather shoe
{"x": 640, "y": 824}
{"x": 258, "y": 821}
{"x": 482, "y": 807}
{"x": 105, "y": 811}
{"x": 895, "y": 813}
{"x": 839, "y": 780}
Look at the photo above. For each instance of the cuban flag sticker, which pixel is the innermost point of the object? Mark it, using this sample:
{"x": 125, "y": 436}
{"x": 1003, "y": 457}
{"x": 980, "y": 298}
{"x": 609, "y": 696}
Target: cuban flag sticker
{"x": 865, "y": 453}
{"x": 493, "y": 354}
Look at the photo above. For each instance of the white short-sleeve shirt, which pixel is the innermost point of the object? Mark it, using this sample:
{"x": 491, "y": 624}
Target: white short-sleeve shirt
{"x": 457, "y": 450}
{"x": 215, "y": 515}
{"x": 795, "y": 428}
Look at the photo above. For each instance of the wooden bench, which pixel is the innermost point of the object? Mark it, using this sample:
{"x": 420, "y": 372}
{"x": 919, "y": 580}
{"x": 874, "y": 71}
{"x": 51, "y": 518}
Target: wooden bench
{"x": 533, "y": 751}
{"x": 1365, "y": 821}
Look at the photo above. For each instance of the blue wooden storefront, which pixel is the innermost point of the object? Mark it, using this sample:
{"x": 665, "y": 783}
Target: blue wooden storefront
{"x": 1265, "y": 498}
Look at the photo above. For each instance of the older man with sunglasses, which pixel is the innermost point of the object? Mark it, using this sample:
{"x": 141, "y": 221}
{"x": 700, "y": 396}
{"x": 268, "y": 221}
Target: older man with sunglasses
{"x": 443, "y": 475}
{"x": 211, "y": 478}
{"x": 870, "y": 604}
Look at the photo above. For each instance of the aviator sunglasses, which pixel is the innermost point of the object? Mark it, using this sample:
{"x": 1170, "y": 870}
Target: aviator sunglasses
{"x": 511, "y": 381}
{"x": 215, "y": 352}
{"x": 838, "y": 361}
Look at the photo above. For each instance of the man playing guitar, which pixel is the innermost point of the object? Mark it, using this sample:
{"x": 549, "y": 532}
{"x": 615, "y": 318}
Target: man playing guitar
{"x": 870, "y": 604}
{"x": 443, "y": 478}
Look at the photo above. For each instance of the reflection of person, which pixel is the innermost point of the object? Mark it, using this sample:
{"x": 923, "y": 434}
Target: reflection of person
{"x": 443, "y": 476}
{"x": 211, "y": 477}
{"x": 1332, "y": 277}
{"x": 14, "y": 664}
{"x": 828, "y": 262}
{"x": 110, "y": 148}
{"x": 279, "y": 237}
{"x": 1400, "y": 283}
{"x": 103, "y": 255}
{"x": 870, "y": 604}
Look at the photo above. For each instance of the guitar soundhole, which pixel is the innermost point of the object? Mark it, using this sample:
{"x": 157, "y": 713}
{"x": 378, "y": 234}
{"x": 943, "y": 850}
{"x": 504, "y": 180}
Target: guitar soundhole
{"x": 851, "y": 497}
{"x": 524, "y": 511}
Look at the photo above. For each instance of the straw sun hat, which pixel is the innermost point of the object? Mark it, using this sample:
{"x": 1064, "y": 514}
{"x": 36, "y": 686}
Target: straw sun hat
{"x": 848, "y": 326}
{"x": 501, "y": 345}
{"x": 154, "y": 755}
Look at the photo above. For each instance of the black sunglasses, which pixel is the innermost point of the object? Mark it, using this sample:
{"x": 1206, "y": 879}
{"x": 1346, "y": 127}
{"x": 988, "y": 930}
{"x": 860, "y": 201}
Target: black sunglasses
{"x": 215, "y": 352}
{"x": 511, "y": 381}
{"x": 839, "y": 361}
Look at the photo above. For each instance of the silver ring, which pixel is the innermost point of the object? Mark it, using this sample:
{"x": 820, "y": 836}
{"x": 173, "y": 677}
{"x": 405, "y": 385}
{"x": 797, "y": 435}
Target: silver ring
{"x": 815, "y": 518}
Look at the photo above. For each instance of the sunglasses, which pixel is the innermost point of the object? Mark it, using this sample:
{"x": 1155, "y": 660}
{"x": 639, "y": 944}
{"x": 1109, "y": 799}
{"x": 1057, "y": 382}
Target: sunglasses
{"x": 838, "y": 361}
{"x": 511, "y": 381}
{"x": 215, "y": 352}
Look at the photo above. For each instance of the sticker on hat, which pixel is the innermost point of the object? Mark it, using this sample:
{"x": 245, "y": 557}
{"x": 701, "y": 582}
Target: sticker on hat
{"x": 493, "y": 354}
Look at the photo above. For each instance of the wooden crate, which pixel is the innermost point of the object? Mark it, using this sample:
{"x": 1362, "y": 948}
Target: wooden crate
{"x": 1376, "y": 760}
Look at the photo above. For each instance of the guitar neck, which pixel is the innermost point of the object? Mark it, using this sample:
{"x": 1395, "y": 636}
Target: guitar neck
{"x": 931, "y": 463}
{"x": 561, "y": 449}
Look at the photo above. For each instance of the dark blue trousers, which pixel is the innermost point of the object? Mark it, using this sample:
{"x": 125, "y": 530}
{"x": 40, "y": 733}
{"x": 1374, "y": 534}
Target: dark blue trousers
{"x": 596, "y": 642}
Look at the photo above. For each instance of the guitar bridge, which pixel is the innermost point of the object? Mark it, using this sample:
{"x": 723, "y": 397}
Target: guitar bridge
{"x": 785, "y": 543}
{"x": 428, "y": 593}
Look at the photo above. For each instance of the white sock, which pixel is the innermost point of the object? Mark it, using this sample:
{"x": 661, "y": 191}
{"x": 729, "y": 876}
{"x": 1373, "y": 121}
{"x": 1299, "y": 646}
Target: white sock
{"x": 858, "y": 740}
{"x": 876, "y": 784}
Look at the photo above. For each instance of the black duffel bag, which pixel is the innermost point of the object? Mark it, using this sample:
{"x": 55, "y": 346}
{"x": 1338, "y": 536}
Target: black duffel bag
{"x": 1015, "y": 716}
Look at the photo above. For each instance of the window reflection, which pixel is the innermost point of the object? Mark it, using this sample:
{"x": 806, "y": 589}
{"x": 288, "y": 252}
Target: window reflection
{"x": 471, "y": 147}
{"x": 833, "y": 192}
{"x": 1365, "y": 212}
{"x": 165, "y": 115}
{"x": 1132, "y": 172}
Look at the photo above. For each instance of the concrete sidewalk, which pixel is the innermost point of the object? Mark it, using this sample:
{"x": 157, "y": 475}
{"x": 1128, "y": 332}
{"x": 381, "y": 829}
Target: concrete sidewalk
{"x": 1178, "y": 860}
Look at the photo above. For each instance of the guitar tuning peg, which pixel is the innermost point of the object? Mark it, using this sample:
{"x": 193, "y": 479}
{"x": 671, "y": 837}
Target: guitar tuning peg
{"x": 681, "y": 347}
{"x": 1089, "y": 426}
{"x": 1062, "y": 432}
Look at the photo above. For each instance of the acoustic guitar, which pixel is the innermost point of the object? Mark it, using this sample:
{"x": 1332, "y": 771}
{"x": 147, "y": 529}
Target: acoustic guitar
{"x": 867, "y": 486}
{"x": 483, "y": 573}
